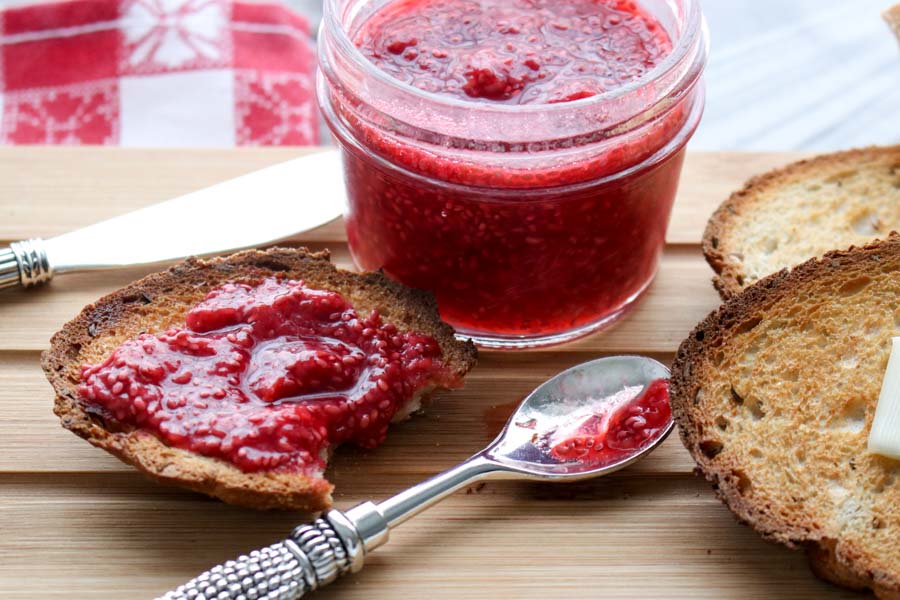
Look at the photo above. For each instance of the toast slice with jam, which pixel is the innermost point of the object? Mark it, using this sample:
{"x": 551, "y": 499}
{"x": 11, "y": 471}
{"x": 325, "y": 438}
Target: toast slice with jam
{"x": 774, "y": 395}
{"x": 236, "y": 377}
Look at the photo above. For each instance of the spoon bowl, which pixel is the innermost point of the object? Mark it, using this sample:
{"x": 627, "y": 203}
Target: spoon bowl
{"x": 584, "y": 389}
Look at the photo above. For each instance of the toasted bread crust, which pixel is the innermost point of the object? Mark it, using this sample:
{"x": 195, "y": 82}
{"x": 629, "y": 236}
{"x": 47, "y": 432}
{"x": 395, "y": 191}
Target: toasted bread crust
{"x": 727, "y": 218}
{"x": 892, "y": 16}
{"x": 698, "y": 361}
{"x": 160, "y": 301}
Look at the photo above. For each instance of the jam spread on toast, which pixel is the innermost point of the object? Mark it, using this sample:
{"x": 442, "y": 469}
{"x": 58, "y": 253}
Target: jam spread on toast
{"x": 267, "y": 375}
{"x": 613, "y": 428}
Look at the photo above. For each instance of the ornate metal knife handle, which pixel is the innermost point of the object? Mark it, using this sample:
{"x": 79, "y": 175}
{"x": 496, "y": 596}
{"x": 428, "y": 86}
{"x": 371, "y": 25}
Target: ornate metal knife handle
{"x": 24, "y": 264}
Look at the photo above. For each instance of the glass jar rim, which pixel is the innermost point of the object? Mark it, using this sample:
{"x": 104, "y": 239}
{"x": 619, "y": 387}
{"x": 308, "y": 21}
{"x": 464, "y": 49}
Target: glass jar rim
{"x": 694, "y": 35}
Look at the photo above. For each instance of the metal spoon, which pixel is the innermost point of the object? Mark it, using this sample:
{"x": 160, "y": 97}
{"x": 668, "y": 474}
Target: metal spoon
{"x": 338, "y": 542}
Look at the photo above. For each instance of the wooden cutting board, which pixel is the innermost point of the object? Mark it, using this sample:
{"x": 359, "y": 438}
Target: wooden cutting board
{"x": 76, "y": 523}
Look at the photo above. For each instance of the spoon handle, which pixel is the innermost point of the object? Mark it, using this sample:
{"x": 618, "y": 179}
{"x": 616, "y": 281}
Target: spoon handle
{"x": 317, "y": 554}
{"x": 313, "y": 556}
{"x": 414, "y": 500}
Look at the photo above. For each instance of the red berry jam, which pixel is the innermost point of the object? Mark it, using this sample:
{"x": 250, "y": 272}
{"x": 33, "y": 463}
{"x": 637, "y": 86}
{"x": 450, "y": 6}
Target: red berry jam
{"x": 615, "y": 428}
{"x": 514, "y": 51}
{"x": 268, "y": 375}
{"x": 519, "y": 158}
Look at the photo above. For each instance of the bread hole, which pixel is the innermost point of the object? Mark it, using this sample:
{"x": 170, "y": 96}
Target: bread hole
{"x": 722, "y": 423}
{"x": 855, "y": 286}
{"x": 698, "y": 396}
{"x": 742, "y": 482}
{"x": 792, "y": 375}
{"x": 866, "y": 224}
{"x": 272, "y": 265}
{"x": 711, "y": 448}
{"x": 836, "y": 491}
{"x": 756, "y": 453}
{"x": 849, "y": 361}
{"x": 852, "y": 419}
{"x": 73, "y": 351}
{"x": 887, "y": 481}
{"x": 142, "y": 297}
{"x": 877, "y": 523}
{"x": 756, "y": 409}
{"x": 800, "y": 456}
{"x": 699, "y": 336}
{"x": 813, "y": 187}
{"x": 770, "y": 245}
{"x": 747, "y": 326}
{"x": 873, "y": 330}
{"x": 736, "y": 397}
{"x": 719, "y": 358}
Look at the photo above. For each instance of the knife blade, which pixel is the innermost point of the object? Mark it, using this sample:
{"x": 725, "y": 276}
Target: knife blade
{"x": 256, "y": 209}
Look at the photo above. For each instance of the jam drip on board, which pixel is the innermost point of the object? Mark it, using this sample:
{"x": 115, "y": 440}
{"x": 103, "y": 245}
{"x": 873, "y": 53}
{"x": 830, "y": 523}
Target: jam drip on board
{"x": 612, "y": 428}
{"x": 268, "y": 376}
{"x": 514, "y": 51}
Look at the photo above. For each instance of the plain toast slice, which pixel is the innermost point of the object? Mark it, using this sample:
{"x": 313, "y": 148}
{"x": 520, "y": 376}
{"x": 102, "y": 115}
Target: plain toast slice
{"x": 161, "y": 300}
{"x": 774, "y": 395}
{"x": 801, "y": 211}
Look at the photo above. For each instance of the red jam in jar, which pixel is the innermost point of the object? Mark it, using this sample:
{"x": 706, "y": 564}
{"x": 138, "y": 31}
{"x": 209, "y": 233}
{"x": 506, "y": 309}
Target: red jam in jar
{"x": 519, "y": 158}
{"x": 519, "y": 52}
{"x": 268, "y": 376}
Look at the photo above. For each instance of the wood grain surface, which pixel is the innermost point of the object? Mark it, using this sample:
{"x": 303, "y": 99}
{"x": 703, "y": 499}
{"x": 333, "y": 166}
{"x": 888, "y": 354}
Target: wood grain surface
{"x": 76, "y": 523}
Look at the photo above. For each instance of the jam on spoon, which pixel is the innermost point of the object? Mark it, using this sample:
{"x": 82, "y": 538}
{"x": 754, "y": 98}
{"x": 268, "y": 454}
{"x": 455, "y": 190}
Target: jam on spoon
{"x": 613, "y": 427}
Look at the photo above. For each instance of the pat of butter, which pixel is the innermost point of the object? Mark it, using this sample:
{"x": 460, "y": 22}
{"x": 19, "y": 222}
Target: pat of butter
{"x": 884, "y": 438}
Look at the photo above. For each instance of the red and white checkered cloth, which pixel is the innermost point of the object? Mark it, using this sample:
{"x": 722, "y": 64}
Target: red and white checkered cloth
{"x": 157, "y": 73}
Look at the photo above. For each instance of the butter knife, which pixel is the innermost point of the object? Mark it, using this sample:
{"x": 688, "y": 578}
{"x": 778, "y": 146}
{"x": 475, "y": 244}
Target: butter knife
{"x": 252, "y": 210}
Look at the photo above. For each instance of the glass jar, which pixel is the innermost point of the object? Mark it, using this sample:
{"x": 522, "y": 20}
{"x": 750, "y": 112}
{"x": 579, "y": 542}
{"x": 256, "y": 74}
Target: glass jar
{"x": 532, "y": 224}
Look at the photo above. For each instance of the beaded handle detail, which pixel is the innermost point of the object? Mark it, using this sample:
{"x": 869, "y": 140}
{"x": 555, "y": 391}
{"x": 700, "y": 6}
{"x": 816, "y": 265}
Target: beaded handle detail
{"x": 313, "y": 556}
